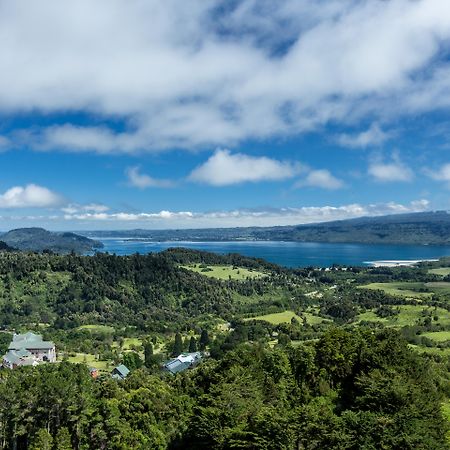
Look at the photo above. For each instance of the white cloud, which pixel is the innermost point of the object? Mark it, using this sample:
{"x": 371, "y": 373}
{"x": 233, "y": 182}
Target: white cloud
{"x": 30, "y": 196}
{"x": 244, "y": 217}
{"x": 321, "y": 178}
{"x": 73, "y": 208}
{"x": 390, "y": 171}
{"x": 142, "y": 181}
{"x": 441, "y": 174}
{"x": 196, "y": 78}
{"x": 373, "y": 136}
{"x": 224, "y": 168}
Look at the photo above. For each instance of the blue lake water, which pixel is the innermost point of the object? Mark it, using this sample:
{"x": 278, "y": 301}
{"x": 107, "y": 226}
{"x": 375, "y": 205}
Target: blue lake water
{"x": 290, "y": 254}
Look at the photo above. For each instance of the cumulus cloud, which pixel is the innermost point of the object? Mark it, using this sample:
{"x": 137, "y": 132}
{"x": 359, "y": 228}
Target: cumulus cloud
{"x": 224, "y": 168}
{"x": 142, "y": 181}
{"x": 30, "y": 196}
{"x": 321, "y": 178}
{"x": 215, "y": 73}
{"x": 373, "y": 136}
{"x": 246, "y": 217}
{"x": 391, "y": 171}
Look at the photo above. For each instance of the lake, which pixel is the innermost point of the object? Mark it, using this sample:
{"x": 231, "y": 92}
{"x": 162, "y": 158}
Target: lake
{"x": 290, "y": 254}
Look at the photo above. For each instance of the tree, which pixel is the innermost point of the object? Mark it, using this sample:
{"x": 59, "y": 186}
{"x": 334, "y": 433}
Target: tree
{"x": 148, "y": 355}
{"x": 192, "y": 345}
{"x": 132, "y": 360}
{"x": 42, "y": 441}
{"x": 178, "y": 346}
{"x": 63, "y": 440}
{"x": 204, "y": 339}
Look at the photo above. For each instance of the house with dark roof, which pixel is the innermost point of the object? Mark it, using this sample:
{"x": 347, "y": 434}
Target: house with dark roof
{"x": 182, "y": 362}
{"x": 29, "y": 349}
{"x": 120, "y": 372}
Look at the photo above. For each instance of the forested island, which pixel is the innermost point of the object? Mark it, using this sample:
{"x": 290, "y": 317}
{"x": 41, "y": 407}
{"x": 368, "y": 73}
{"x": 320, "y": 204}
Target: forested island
{"x": 428, "y": 228}
{"x": 39, "y": 240}
{"x": 345, "y": 358}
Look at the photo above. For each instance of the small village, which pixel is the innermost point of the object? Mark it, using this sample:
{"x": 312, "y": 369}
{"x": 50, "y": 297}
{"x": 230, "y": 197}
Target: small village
{"x": 30, "y": 349}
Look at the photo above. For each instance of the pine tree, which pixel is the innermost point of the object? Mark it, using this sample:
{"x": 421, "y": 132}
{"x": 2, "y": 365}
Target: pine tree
{"x": 204, "y": 339}
{"x": 148, "y": 355}
{"x": 178, "y": 346}
{"x": 192, "y": 345}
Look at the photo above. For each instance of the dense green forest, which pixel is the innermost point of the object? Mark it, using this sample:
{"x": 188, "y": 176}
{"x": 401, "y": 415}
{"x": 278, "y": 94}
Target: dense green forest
{"x": 347, "y": 358}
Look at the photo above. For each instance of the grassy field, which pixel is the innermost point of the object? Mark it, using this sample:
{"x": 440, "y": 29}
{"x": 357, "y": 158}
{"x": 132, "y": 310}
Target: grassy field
{"x": 405, "y": 289}
{"x": 286, "y": 316}
{"x": 443, "y": 271}
{"x": 438, "y": 336}
{"x": 225, "y": 272}
{"x": 97, "y": 328}
{"x": 90, "y": 361}
{"x": 409, "y": 314}
{"x": 431, "y": 350}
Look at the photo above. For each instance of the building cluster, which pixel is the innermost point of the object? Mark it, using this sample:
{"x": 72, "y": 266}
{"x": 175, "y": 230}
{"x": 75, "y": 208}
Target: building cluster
{"x": 29, "y": 349}
{"x": 182, "y": 362}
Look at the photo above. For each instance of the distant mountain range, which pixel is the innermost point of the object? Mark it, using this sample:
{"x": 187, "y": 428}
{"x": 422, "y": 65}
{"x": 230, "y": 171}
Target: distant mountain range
{"x": 38, "y": 240}
{"x": 427, "y": 228}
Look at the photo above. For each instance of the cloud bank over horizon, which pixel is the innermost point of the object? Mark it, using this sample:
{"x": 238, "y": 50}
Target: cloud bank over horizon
{"x": 141, "y": 112}
{"x": 207, "y": 74}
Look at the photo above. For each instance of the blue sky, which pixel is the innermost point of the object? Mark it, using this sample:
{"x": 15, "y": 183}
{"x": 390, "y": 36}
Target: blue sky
{"x": 120, "y": 114}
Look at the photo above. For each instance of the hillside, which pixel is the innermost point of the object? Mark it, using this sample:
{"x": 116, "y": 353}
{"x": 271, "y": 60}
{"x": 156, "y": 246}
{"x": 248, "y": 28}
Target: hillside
{"x": 38, "y": 240}
{"x": 293, "y": 356}
{"x": 428, "y": 228}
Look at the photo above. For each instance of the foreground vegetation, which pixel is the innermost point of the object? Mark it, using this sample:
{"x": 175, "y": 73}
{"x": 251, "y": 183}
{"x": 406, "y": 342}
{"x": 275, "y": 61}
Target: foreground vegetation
{"x": 344, "y": 359}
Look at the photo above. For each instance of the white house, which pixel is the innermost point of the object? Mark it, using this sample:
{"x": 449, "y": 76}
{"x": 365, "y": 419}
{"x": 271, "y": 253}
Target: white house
{"x": 29, "y": 349}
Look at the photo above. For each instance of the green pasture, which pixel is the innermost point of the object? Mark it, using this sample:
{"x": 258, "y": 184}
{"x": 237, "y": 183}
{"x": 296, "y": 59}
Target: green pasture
{"x": 286, "y": 317}
{"x": 438, "y": 336}
{"x": 411, "y": 289}
{"x": 97, "y": 328}
{"x": 408, "y": 316}
{"x": 90, "y": 361}
{"x": 225, "y": 272}
{"x": 442, "y": 271}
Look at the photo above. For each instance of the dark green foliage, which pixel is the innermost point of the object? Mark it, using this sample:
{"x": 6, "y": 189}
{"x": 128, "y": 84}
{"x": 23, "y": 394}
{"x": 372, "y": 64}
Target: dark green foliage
{"x": 178, "y": 345}
{"x": 38, "y": 240}
{"x": 192, "y": 345}
{"x": 132, "y": 360}
{"x": 204, "y": 339}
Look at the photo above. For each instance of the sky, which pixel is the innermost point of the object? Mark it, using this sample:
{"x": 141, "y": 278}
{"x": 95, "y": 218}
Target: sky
{"x": 123, "y": 114}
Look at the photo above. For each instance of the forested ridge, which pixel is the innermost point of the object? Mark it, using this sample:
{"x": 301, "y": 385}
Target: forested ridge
{"x": 294, "y": 358}
{"x": 423, "y": 228}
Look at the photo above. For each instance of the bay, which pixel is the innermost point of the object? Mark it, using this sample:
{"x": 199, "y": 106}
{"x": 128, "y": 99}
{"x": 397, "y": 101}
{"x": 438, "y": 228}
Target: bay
{"x": 290, "y": 254}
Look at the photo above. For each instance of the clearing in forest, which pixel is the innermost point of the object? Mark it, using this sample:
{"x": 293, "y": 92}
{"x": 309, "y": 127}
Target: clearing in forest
{"x": 224, "y": 272}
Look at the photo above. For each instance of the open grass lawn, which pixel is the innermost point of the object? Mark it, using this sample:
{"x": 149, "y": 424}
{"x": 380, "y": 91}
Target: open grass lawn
{"x": 285, "y": 317}
{"x": 128, "y": 343}
{"x": 405, "y": 289}
{"x": 443, "y": 271}
{"x": 225, "y": 272}
{"x": 408, "y": 316}
{"x": 431, "y": 350}
{"x": 90, "y": 361}
{"x": 438, "y": 336}
{"x": 97, "y": 328}
{"x": 439, "y": 287}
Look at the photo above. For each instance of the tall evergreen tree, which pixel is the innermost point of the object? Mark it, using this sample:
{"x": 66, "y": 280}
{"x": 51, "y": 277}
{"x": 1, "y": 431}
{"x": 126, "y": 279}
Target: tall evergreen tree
{"x": 148, "y": 355}
{"x": 192, "y": 345}
{"x": 178, "y": 346}
{"x": 204, "y": 339}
